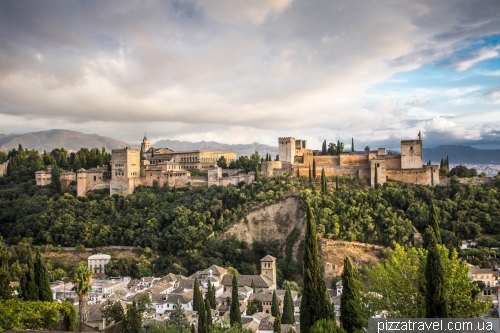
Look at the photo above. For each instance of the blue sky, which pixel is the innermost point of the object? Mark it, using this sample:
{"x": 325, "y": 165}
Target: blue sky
{"x": 242, "y": 71}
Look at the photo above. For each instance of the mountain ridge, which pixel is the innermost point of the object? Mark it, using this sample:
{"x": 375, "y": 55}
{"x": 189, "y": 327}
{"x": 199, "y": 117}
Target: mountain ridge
{"x": 240, "y": 149}
{"x": 58, "y": 138}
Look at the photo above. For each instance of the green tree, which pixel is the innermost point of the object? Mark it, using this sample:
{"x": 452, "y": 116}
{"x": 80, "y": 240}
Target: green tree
{"x": 288, "y": 308}
{"x": 210, "y": 295}
{"x": 352, "y": 145}
{"x": 197, "y": 296}
{"x": 133, "y": 319}
{"x": 257, "y": 172}
{"x": 178, "y": 316}
{"x": 5, "y": 276}
{"x": 82, "y": 281}
{"x": 202, "y": 316}
{"x": 277, "y": 324}
{"x": 208, "y": 317}
{"x": 254, "y": 307}
{"x": 253, "y": 286}
{"x": 55, "y": 179}
{"x": 29, "y": 289}
{"x": 314, "y": 304}
{"x": 275, "y": 306}
{"x": 323, "y": 149}
{"x": 326, "y": 326}
{"x": 351, "y": 311}
{"x": 323, "y": 181}
{"x": 42, "y": 279}
{"x": 310, "y": 174}
{"x": 234, "y": 310}
{"x": 436, "y": 305}
{"x": 314, "y": 169}
{"x": 221, "y": 163}
{"x": 112, "y": 312}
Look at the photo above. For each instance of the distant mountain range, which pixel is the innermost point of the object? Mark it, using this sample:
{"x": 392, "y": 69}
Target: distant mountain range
{"x": 462, "y": 155}
{"x": 239, "y": 149}
{"x": 57, "y": 138}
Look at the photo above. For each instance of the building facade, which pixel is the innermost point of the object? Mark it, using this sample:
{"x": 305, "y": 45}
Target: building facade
{"x": 296, "y": 159}
{"x": 97, "y": 263}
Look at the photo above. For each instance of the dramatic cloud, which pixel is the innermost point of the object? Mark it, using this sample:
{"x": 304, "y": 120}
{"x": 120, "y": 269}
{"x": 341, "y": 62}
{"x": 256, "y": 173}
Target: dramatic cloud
{"x": 244, "y": 71}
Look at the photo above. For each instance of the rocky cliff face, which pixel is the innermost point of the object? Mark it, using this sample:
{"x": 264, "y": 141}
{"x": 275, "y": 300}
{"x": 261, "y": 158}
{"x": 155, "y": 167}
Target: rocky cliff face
{"x": 275, "y": 222}
{"x": 272, "y": 223}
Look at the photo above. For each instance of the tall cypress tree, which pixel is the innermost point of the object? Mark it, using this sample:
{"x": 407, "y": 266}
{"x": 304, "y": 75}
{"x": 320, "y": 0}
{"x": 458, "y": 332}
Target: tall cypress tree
{"x": 288, "y": 308}
{"x": 323, "y": 149}
{"x": 197, "y": 296}
{"x": 29, "y": 289}
{"x": 323, "y": 181}
{"x": 202, "y": 317}
{"x": 210, "y": 295}
{"x": 253, "y": 286}
{"x": 310, "y": 174}
{"x": 352, "y": 145}
{"x": 436, "y": 305}
{"x": 275, "y": 306}
{"x": 234, "y": 310}
{"x": 351, "y": 311}
{"x": 208, "y": 316}
{"x": 314, "y": 169}
{"x": 375, "y": 181}
{"x": 277, "y": 324}
{"x": 315, "y": 303}
{"x": 336, "y": 183}
{"x": 55, "y": 180}
{"x": 42, "y": 279}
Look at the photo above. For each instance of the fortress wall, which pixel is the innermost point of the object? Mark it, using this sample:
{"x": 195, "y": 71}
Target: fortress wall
{"x": 354, "y": 159}
{"x": 472, "y": 181}
{"x": 416, "y": 176}
{"x": 392, "y": 162}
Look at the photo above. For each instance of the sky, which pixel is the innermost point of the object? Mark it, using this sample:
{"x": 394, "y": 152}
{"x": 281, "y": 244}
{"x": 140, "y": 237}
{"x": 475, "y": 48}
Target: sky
{"x": 241, "y": 71}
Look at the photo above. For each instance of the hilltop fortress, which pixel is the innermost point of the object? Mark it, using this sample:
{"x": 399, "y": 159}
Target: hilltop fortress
{"x": 160, "y": 166}
{"x": 163, "y": 166}
{"x": 296, "y": 159}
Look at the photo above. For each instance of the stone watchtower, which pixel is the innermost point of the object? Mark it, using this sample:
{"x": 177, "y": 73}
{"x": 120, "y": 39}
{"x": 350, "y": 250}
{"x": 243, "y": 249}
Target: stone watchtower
{"x": 286, "y": 149}
{"x": 145, "y": 144}
{"x": 268, "y": 268}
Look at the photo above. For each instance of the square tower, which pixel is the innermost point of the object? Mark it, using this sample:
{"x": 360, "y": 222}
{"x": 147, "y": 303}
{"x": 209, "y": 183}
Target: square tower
{"x": 286, "y": 149}
{"x": 411, "y": 154}
{"x": 268, "y": 267}
{"x": 125, "y": 170}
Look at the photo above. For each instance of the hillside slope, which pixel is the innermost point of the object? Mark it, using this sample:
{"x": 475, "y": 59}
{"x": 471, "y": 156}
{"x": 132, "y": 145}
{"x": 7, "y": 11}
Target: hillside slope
{"x": 57, "y": 138}
{"x": 276, "y": 221}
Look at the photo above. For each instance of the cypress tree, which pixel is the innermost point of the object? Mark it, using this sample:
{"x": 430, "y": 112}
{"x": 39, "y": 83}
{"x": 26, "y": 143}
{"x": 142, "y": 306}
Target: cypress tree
{"x": 315, "y": 303}
{"x": 253, "y": 286}
{"x": 275, "y": 306}
{"x": 352, "y": 145}
{"x": 376, "y": 177}
{"x": 351, "y": 311}
{"x": 257, "y": 172}
{"x": 42, "y": 279}
{"x": 29, "y": 289}
{"x": 323, "y": 181}
{"x": 435, "y": 300}
{"x": 55, "y": 180}
{"x": 336, "y": 183}
{"x": 234, "y": 310}
{"x": 202, "y": 317}
{"x": 197, "y": 297}
{"x": 323, "y": 149}
{"x": 288, "y": 308}
{"x": 310, "y": 174}
{"x": 338, "y": 147}
{"x": 210, "y": 295}
{"x": 208, "y": 316}
{"x": 314, "y": 169}
{"x": 277, "y": 324}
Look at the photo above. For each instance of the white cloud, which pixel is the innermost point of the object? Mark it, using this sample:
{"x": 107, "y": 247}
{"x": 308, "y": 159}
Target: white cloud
{"x": 481, "y": 55}
{"x": 494, "y": 94}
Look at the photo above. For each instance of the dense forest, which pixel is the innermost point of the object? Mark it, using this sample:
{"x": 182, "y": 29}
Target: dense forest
{"x": 184, "y": 225}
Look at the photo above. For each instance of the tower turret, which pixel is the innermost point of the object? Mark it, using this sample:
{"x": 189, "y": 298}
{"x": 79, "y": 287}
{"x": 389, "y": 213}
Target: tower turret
{"x": 268, "y": 268}
{"x": 145, "y": 144}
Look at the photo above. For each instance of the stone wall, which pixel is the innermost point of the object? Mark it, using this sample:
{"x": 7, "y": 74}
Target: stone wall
{"x": 415, "y": 176}
{"x": 392, "y": 162}
{"x": 379, "y": 165}
{"x": 358, "y": 159}
{"x": 3, "y": 169}
{"x": 411, "y": 154}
